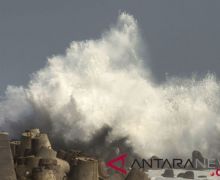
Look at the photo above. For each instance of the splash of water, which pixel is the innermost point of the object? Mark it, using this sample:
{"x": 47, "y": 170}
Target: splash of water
{"x": 103, "y": 82}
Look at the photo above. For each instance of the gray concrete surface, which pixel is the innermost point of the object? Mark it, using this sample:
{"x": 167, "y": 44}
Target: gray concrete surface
{"x": 7, "y": 171}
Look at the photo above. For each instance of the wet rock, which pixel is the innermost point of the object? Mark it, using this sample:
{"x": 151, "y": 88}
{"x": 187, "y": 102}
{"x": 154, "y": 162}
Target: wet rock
{"x": 84, "y": 168}
{"x": 199, "y": 162}
{"x": 61, "y": 154}
{"x": 168, "y": 173}
{"x": 137, "y": 174}
{"x": 156, "y": 162}
{"x": 187, "y": 175}
{"x": 202, "y": 176}
{"x": 43, "y": 174}
{"x": 46, "y": 153}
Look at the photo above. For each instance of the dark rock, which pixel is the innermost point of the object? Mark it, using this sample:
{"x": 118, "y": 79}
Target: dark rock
{"x": 202, "y": 176}
{"x": 137, "y": 174}
{"x": 61, "y": 154}
{"x": 187, "y": 175}
{"x": 168, "y": 173}
{"x": 199, "y": 162}
{"x": 6, "y": 160}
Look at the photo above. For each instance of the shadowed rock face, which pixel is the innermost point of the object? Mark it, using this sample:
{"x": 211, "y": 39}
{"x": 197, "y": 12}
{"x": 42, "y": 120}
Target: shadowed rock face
{"x": 35, "y": 159}
{"x": 137, "y": 174}
{"x": 6, "y": 161}
{"x": 187, "y": 175}
{"x": 84, "y": 168}
{"x": 168, "y": 173}
{"x": 198, "y": 157}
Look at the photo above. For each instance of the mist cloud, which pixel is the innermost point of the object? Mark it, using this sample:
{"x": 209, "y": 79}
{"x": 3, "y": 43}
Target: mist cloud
{"x": 104, "y": 83}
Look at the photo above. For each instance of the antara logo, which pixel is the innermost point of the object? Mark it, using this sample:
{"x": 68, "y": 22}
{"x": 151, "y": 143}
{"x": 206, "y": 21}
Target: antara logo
{"x": 112, "y": 163}
{"x": 118, "y": 164}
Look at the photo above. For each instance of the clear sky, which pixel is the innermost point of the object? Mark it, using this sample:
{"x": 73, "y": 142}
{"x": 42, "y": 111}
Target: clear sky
{"x": 182, "y": 35}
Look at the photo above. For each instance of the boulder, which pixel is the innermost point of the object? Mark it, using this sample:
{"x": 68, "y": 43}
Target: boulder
{"x": 168, "y": 173}
{"x": 186, "y": 175}
{"x": 199, "y": 162}
{"x": 137, "y": 174}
